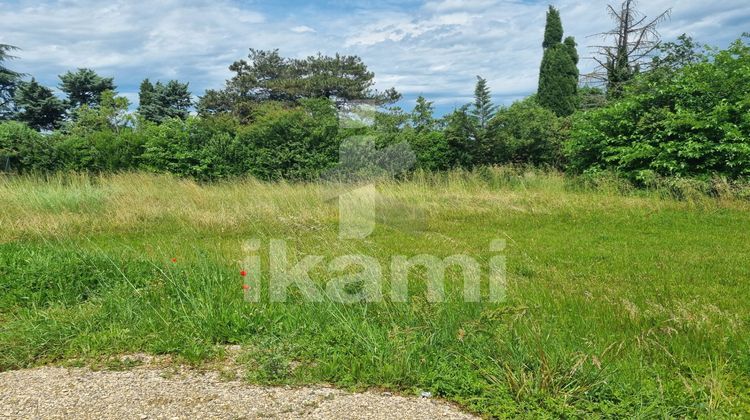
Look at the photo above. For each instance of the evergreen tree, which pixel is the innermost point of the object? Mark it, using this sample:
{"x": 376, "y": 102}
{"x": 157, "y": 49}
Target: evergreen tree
{"x": 38, "y": 107}
{"x": 176, "y": 99}
{"x": 461, "y": 137}
{"x": 483, "y": 108}
{"x": 422, "y": 118}
{"x": 268, "y": 76}
{"x": 8, "y": 82}
{"x": 145, "y": 95}
{"x": 553, "y": 30}
{"x": 570, "y": 44}
{"x": 85, "y": 87}
{"x": 558, "y": 74}
{"x": 159, "y": 102}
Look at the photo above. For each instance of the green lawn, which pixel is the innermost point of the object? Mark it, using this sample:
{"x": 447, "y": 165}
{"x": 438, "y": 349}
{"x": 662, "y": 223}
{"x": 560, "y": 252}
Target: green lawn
{"x": 619, "y": 303}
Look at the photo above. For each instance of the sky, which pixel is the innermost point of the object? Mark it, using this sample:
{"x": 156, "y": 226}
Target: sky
{"x": 430, "y": 48}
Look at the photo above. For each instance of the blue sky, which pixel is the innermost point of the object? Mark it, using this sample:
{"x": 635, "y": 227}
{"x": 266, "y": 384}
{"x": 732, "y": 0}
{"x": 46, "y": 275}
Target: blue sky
{"x": 432, "y": 48}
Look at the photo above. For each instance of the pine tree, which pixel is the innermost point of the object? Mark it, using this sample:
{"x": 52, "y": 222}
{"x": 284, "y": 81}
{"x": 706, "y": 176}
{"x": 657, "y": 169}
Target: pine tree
{"x": 38, "y": 107}
{"x": 85, "y": 87}
{"x": 176, "y": 99}
{"x": 158, "y": 102}
{"x": 267, "y": 76}
{"x": 483, "y": 109}
{"x": 422, "y": 118}
{"x": 145, "y": 94}
{"x": 558, "y": 74}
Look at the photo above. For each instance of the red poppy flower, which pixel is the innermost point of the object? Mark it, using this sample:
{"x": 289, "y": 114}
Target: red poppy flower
{"x": 174, "y": 260}
{"x": 246, "y": 286}
{"x": 243, "y": 273}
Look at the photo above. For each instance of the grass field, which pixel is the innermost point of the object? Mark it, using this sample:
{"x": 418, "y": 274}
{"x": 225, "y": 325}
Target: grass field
{"x": 619, "y": 303}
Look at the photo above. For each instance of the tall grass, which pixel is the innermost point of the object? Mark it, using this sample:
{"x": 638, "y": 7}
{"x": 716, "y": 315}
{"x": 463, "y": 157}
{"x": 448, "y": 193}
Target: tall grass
{"x": 621, "y": 301}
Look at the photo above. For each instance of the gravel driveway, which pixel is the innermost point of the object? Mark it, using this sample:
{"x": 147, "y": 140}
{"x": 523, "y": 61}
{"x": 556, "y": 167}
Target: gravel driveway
{"x": 149, "y": 393}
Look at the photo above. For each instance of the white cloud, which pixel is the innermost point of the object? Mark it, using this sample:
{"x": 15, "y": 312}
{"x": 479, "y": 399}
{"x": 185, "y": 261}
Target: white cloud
{"x": 435, "y": 49}
{"x": 302, "y": 29}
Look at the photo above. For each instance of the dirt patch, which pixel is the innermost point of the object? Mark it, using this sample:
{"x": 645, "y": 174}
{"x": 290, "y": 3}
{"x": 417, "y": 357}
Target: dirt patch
{"x": 153, "y": 393}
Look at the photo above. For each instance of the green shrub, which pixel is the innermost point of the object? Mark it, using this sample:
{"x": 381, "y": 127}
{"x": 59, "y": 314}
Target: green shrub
{"x": 100, "y": 151}
{"x": 298, "y": 143}
{"x": 431, "y": 149}
{"x": 694, "y": 123}
{"x": 23, "y": 149}
{"x": 527, "y": 133}
{"x": 194, "y": 148}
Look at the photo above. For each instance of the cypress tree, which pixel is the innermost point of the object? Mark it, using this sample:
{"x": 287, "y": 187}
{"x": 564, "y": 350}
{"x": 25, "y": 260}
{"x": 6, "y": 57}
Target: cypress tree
{"x": 553, "y": 31}
{"x": 570, "y": 44}
{"x": 558, "y": 74}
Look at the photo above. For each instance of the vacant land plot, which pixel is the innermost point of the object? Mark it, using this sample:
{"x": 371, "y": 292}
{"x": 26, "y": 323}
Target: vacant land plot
{"x": 618, "y": 303}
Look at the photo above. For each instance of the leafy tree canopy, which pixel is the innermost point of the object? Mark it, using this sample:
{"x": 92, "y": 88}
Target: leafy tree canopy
{"x": 110, "y": 115}
{"x": 422, "y": 117}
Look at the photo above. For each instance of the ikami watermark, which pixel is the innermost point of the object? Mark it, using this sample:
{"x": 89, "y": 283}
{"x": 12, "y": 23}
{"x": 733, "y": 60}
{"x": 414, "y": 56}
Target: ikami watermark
{"x": 368, "y": 283}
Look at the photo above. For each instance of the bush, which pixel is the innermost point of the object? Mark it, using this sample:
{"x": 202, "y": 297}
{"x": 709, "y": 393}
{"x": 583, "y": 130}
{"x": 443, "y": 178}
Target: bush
{"x": 23, "y": 149}
{"x": 99, "y": 151}
{"x": 527, "y": 133}
{"x": 431, "y": 149}
{"x": 694, "y": 123}
{"x": 299, "y": 143}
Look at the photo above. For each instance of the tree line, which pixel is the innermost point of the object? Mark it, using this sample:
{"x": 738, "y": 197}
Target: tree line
{"x": 651, "y": 109}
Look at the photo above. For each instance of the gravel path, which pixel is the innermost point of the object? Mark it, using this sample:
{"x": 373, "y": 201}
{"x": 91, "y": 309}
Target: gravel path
{"x": 150, "y": 393}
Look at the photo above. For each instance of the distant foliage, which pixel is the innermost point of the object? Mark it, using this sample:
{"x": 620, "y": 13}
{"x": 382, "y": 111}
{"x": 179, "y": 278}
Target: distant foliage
{"x": 462, "y": 137}
{"x": 426, "y": 139}
{"x": 109, "y": 114}
{"x": 692, "y": 119}
{"x": 686, "y": 114}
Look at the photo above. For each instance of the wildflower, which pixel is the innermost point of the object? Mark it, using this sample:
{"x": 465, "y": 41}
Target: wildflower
{"x": 174, "y": 260}
{"x": 246, "y": 286}
{"x": 243, "y": 273}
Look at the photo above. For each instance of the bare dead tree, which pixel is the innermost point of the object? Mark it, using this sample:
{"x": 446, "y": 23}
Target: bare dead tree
{"x": 627, "y": 49}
